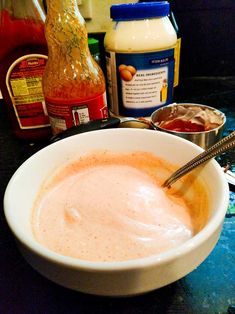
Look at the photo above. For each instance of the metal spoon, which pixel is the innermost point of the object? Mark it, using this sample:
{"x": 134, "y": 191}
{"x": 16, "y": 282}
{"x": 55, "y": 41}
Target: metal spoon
{"x": 220, "y": 147}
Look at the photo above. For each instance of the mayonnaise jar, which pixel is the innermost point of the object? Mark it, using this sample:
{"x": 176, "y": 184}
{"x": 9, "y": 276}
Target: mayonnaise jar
{"x": 140, "y": 58}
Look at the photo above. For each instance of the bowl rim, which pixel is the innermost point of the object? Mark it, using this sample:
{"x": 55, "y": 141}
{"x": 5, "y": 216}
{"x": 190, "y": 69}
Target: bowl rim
{"x": 133, "y": 264}
{"x": 188, "y": 104}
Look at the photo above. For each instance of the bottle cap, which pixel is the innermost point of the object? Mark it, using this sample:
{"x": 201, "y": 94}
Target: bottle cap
{"x": 139, "y": 10}
{"x": 93, "y": 46}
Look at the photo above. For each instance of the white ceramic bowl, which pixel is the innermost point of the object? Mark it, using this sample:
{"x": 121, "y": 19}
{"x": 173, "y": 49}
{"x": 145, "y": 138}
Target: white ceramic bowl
{"x": 113, "y": 278}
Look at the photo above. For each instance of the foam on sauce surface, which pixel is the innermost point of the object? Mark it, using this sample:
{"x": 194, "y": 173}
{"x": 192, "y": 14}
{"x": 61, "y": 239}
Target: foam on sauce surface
{"x": 108, "y": 207}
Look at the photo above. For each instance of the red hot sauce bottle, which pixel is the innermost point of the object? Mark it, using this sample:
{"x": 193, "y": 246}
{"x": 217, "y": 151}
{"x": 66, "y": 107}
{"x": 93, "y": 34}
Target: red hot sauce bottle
{"x": 73, "y": 83}
{"x": 23, "y": 58}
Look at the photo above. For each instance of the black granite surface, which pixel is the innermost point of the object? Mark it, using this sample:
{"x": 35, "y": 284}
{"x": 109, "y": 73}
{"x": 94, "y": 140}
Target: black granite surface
{"x": 208, "y": 289}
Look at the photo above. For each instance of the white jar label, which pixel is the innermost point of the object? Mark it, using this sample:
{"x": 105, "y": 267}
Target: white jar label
{"x": 139, "y": 83}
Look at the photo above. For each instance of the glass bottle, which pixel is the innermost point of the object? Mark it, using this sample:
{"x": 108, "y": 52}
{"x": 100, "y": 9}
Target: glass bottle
{"x": 139, "y": 65}
{"x": 94, "y": 49}
{"x": 73, "y": 83}
{"x": 23, "y": 58}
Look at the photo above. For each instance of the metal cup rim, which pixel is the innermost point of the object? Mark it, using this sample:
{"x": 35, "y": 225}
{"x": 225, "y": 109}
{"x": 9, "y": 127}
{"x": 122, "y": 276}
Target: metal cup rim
{"x": 187, "y": 104}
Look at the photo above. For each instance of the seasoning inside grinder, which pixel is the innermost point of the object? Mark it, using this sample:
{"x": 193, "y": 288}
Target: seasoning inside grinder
{"x": 188, "y": 118}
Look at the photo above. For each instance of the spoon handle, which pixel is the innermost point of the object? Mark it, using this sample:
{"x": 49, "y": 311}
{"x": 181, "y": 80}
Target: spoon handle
{"x": 220, "y": 147}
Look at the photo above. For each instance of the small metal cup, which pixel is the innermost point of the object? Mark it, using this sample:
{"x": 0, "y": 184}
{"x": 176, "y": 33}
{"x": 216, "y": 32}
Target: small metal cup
{"x": 204, "y": 139}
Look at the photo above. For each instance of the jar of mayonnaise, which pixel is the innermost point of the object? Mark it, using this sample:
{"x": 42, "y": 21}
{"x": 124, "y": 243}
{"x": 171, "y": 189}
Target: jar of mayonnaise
{"x": 140, "y": 58}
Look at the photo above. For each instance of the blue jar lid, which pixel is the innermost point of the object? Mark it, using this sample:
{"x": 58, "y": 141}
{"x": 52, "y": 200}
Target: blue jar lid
{"x": 139, "y": 10}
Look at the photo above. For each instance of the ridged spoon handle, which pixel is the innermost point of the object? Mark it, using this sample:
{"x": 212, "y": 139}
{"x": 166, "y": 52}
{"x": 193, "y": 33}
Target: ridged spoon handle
{"x": 217, "y": 149}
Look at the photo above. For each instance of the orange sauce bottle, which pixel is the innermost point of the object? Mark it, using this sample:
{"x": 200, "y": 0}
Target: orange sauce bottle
{"x": 73, "y": 83}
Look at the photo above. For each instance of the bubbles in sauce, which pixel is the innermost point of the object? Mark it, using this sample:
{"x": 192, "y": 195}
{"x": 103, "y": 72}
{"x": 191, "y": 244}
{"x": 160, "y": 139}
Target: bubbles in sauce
{"x": 111, "y": 207}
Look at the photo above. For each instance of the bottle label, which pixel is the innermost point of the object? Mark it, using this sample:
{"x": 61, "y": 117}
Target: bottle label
{"x": 177, "y": 61}
{"x": 67, "y": 114}
{"x": 24, "y": 84}
{"x": 139, "y": 83}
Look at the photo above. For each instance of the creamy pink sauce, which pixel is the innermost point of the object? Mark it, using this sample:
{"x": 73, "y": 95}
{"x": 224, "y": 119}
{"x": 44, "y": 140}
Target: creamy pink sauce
{"x": 110, "y": 211}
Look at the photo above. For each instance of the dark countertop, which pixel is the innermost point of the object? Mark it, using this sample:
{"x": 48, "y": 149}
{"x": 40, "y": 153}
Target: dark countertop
{"x": 208, "y": 289}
